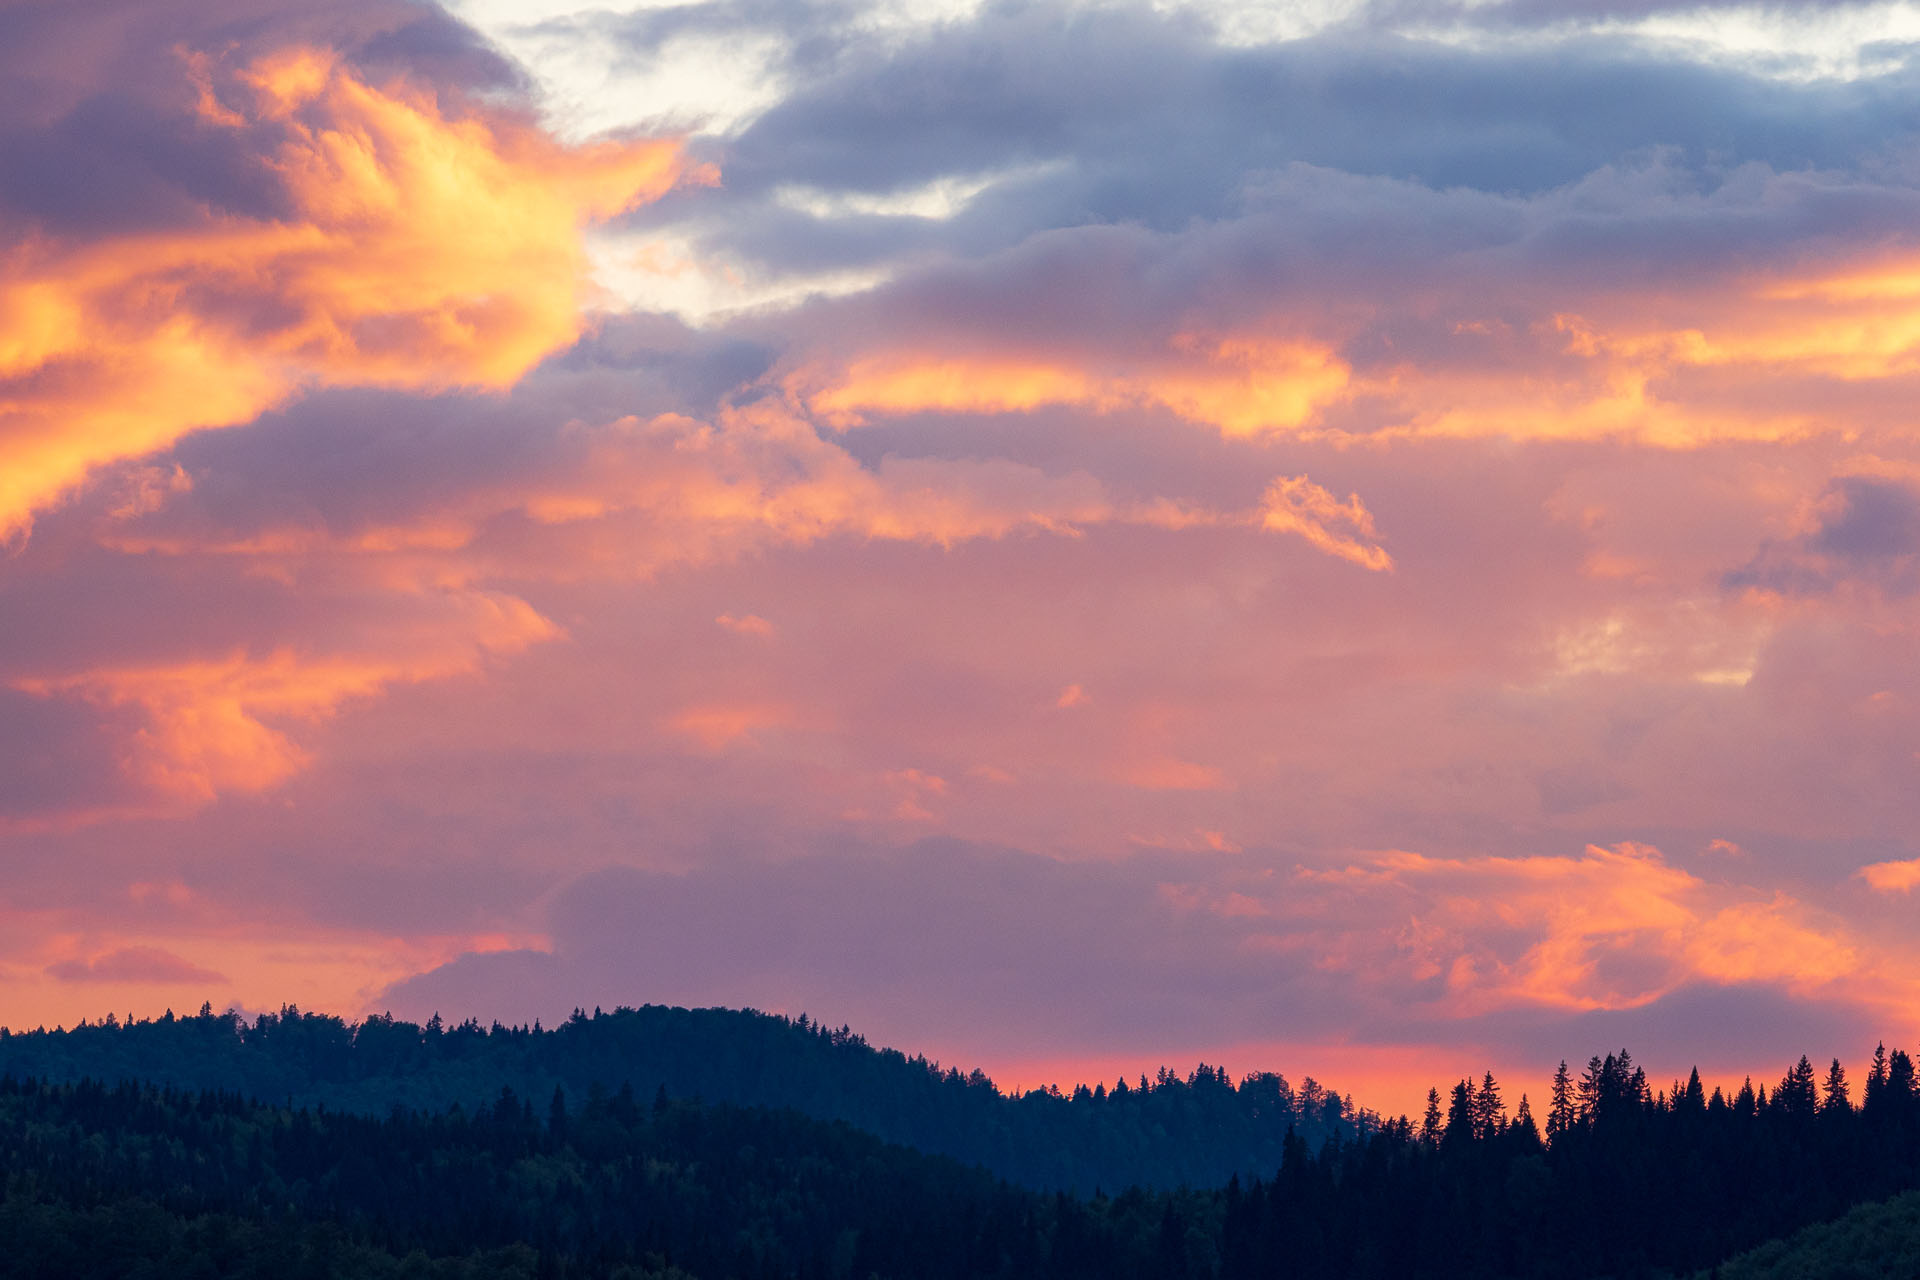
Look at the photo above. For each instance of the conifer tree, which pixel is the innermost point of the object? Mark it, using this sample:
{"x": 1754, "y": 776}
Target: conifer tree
{"x": 1523, "y": 1124}
{"x": 1876, "y": 1079}
{"x": 1900, "y": 1083}
{"x": 1796, "y": 1095}
{"x": 1560, "y": 1112}
{"x": 1489, "y": 1112}
{"x": 1592, "y": 1085}
{"x": 1430, "y": 1123}
{"x": 1694, "y": 1100}
{"x": 1461, "y": 1126}
{"x": 1637, "y": 1091}
{"x": 1834, "y": 1099}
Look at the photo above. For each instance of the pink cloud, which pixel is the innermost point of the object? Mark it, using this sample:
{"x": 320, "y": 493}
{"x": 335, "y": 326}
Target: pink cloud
{"x": 135, "y": 965}
{"x": 1358, "y": 514}
{"x": 747, "y": 624}
{"x": 1892, "y": 877}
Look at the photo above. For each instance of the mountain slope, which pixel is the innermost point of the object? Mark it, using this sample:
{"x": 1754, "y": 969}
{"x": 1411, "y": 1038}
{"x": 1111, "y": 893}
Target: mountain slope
{"x": 1197, "y": 1130}
{"x": 105, "y": 1181}
{"x": 1879, "y": 1241}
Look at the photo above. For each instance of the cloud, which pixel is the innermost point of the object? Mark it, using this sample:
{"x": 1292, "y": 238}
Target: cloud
{"x": 129, "y": 965}
{"x": 1876, "y": 520}
{"x": 1243, "y": 387}
{"x": 60, "y": 757}
{"x": 933, "y": 948}
{"x": 884, "y": 942}
{"x": 413, "y": 247}
{"x": 553, "y": 654}
{"x": 1866, "y": 533}
{"x": 1892, "y": 877}
{"x": 746, "y": 624}
{"x": 272, "y": 607}
{"x": 1614, "y": 928}
{"x": 1045, "y": 119}
{"x": 1294, "y": 504}
{"x": 208, "y": 727}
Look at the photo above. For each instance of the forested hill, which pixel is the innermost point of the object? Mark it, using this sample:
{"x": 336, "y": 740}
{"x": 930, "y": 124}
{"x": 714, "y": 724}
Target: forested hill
{"x": 1878, "y": 1241}
{"x": 129, "y": 1181}
{"x": 1196, "y": 1130}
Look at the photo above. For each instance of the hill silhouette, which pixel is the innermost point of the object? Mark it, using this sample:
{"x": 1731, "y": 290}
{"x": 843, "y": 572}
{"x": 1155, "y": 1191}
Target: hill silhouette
{"x": 1878, "y": 1241}
{"x": 132, "y": 1180}
{"x": 1199, "y": 1130}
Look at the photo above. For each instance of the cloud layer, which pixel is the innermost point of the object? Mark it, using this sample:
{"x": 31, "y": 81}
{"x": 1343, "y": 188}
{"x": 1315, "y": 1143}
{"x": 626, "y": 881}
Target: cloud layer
{"x": 1060, "y": 534}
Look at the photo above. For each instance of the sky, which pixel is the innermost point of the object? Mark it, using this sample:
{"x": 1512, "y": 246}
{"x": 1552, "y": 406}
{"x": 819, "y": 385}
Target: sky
{"x": 1370, "y": 539}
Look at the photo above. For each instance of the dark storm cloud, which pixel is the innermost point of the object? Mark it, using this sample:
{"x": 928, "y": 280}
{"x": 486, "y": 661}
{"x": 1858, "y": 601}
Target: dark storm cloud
{"x": 1123, "y": 116}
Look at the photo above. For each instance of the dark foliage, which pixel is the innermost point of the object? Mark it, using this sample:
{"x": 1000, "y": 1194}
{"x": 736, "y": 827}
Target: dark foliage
{"x": 1633, "y": 1182}
{"x": 141, "y": 1180}
{"x": 1194, "y": 1130}
{"x": 135, "y": 1179}
{"x": 1878, "y": 1241}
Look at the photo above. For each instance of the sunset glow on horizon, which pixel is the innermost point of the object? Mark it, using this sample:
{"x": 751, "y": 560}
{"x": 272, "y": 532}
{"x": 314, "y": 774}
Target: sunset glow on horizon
{"x": 1065, "y": 536}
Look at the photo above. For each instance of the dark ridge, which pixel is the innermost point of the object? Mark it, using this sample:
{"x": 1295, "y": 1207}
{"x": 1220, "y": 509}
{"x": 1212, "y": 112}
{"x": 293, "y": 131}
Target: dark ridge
{"x": 1199, "y": 1130}
{"x": 141, "y": 1181}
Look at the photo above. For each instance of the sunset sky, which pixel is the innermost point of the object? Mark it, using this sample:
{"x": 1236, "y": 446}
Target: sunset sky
{"x": 1374, "y": 540}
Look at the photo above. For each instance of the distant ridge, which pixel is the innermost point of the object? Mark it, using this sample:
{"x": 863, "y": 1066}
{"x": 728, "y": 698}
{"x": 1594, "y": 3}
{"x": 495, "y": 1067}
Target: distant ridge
{"x": 1878, "y": 1241}
{"x": 1198, "y": 1130}
{"x": 1626, "y": 1181}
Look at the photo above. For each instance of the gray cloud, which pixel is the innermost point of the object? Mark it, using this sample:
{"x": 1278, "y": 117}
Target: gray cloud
{"x": 1712, "y": 1027}
{"x": 940, "y": 942}
{"x": 57, "y": 756}
{"x": 947, "y": 944}
{"x": 1123, "y": 116}
{"x": 1869, "y": 535}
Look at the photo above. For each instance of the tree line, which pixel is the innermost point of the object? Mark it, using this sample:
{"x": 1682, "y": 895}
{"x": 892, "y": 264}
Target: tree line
{"x": 1196, "y": 1128}
{"x": 1617, "y": 1177}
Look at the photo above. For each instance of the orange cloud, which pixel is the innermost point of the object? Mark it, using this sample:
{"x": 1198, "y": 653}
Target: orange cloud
{"x": 1241, "y": 386}
{"x": 1681, "y": 371}
{"x": 216, "y": 726}
{"x": 750, "y": 624}
{"x": 1169, "y": 774}
{"x": 1615, "y": 928}
{"x": 422, "y": 250}
{"x": 715, "y": 726}
{"x": 264, "y": 957}
{"x": 1670, "y": 370}
{"x": 1294, "y": 504}
{"x": 677, "y": 490}
{"x": 1892, "y": 877}
{"x": 620, "y": 501}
